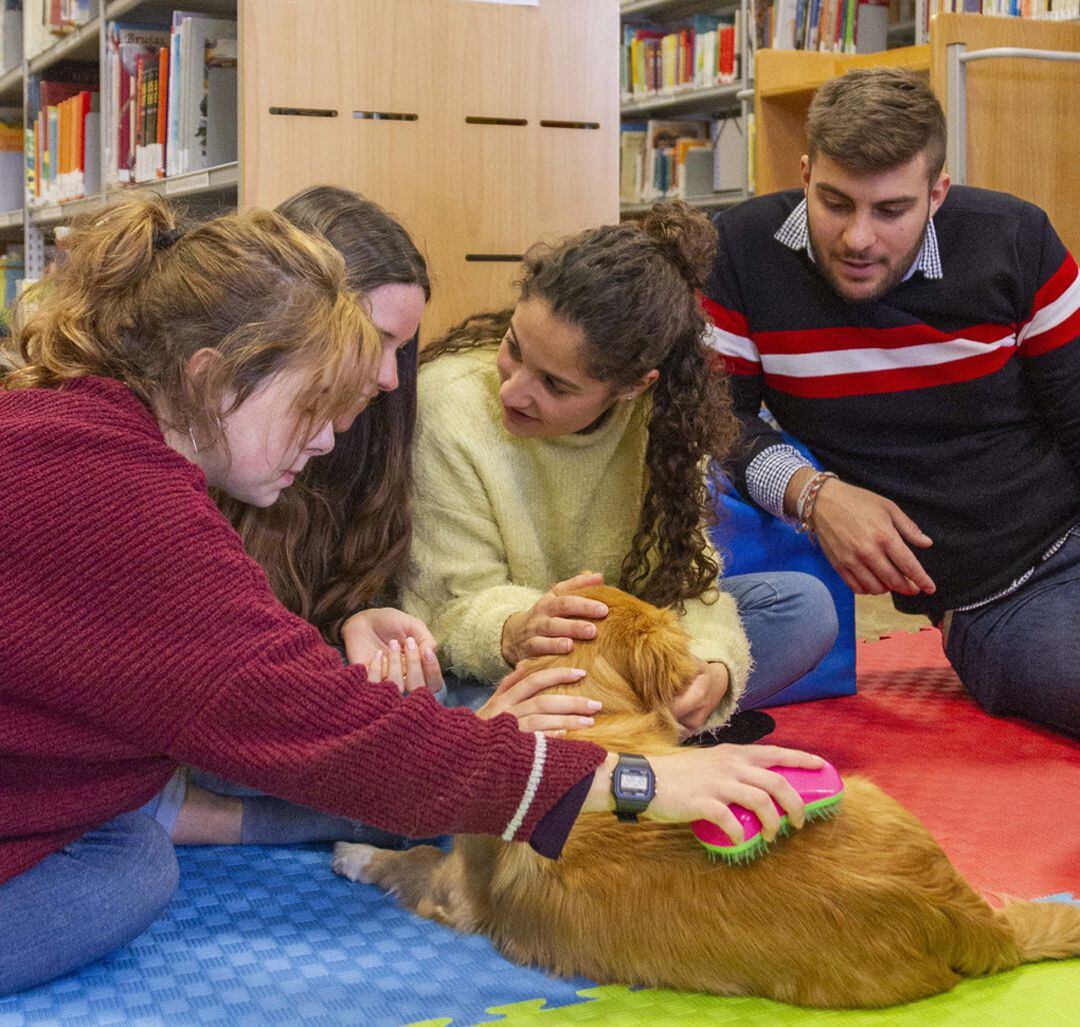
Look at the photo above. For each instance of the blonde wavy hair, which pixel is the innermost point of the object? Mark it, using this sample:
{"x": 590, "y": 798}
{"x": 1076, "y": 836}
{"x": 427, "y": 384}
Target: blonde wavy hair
{"x": 137, "y": 292}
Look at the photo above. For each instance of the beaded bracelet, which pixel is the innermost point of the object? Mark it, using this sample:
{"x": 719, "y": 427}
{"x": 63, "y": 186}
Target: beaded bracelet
{"x": 807, "y": 499}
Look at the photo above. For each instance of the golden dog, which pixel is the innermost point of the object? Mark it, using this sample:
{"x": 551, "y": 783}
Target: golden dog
{"x": 860, "y": 910}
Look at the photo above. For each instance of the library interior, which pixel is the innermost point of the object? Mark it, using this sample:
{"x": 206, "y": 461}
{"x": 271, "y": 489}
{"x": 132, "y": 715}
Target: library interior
{"x": 508, "y": 512}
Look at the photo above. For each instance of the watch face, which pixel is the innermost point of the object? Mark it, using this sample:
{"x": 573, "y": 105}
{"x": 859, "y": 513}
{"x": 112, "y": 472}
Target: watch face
{"x": 633, "y": 782}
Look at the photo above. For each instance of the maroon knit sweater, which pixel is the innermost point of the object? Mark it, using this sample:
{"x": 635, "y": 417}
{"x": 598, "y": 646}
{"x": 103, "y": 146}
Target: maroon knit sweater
{"x": 135, "y": 634}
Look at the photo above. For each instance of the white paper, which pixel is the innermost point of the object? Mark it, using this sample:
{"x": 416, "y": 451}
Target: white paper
{"x": 512, "y": 3}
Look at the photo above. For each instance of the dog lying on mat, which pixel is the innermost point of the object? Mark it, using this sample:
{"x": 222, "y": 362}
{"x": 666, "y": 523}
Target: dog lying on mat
{"x": 863, "y": 909}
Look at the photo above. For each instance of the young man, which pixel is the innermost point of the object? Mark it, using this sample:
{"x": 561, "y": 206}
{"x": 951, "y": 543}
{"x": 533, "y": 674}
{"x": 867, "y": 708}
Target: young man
{"x": 924, "y": 343}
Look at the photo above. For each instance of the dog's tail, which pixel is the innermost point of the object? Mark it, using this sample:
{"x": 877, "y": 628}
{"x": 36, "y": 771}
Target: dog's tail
{"x": 989, "y": 941}
{"x": 1043, "y": 930}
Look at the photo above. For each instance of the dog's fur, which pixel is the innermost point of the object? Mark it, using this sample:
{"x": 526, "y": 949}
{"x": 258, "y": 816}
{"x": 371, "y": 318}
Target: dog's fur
{"x": 860, "y": 910}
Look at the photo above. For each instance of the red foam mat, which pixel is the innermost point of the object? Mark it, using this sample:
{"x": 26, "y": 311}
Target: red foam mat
{"x": 1001, "y": 795}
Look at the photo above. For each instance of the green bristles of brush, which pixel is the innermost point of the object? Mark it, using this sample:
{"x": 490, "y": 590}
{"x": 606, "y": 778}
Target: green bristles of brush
{"x": 749, "y": 850}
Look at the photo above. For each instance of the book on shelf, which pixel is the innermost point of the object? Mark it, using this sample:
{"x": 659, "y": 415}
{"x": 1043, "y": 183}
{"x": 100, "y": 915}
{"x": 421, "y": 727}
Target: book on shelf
{"x": 694, "y": 53}
{"x": 729, "y": 153}
{"x": 687, "y": 159}
{"x": 204, "y": 84}
{"x": 837, "y": 26}
{"x": 46, "y": 22}
{"x": 631, "y": 161}
{"x": 217, "y": 120}
{"x": 12, "y": 269}
{"x": 171, "y": 98}
{"x": 62, "y": 137}
{"x": 125, "y": 45}
{"x": 11, "y": 165}
{"x": 1050, "y": 10}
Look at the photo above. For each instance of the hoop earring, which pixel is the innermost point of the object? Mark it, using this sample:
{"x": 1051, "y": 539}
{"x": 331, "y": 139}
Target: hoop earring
{"x": 191, "y": 435}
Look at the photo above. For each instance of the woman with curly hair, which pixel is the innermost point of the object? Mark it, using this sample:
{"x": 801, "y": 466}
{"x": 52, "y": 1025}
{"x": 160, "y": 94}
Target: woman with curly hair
{"x": 573, "y": 432}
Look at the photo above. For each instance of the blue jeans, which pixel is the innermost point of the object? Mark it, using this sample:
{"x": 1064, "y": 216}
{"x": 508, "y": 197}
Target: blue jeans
{"x": 80, "y": 903}
{"x": 789, "y": 618}
{"x": 1020, "y": 656}
{"x": 791, "y": 622}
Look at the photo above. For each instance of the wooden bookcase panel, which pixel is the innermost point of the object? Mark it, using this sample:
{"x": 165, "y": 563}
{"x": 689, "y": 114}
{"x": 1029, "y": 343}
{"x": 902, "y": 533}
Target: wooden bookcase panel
{"x": 460, "y": 188}
{"x": 1022, "y": 114}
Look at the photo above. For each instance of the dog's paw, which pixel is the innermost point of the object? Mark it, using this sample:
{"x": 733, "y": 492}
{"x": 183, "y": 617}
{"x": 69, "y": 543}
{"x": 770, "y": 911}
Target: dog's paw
{"x": 351, "y": 860}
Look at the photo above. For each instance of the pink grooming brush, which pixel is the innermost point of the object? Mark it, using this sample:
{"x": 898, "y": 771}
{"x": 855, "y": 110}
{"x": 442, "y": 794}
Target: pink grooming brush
{"x": 821, "y": 791}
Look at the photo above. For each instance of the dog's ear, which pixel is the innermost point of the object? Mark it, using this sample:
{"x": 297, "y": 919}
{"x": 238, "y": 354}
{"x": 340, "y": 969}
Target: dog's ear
{"x": 645, "y": 645}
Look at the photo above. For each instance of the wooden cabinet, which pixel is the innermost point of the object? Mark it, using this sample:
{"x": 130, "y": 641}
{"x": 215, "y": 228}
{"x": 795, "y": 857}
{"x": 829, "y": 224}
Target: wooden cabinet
{"x": 483, "y": 126}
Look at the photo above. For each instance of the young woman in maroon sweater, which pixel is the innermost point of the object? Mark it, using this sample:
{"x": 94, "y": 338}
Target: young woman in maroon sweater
{"x": 158, "y": 361}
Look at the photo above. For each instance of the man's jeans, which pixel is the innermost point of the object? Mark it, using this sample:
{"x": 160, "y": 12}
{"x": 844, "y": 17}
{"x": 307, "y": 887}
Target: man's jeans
{"x": 1020, "y": 655}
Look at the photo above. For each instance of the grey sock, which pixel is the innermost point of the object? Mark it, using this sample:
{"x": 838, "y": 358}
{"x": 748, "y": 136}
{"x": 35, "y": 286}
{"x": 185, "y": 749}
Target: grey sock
{"x": 271, "y": 821}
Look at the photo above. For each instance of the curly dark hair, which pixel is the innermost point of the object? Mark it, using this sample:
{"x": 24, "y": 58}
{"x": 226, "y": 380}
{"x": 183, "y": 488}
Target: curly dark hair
{"x": 631, "y": 290}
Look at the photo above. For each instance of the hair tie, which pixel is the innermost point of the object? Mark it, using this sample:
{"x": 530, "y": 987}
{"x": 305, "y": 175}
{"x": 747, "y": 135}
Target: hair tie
{"x": 166, "y": 237}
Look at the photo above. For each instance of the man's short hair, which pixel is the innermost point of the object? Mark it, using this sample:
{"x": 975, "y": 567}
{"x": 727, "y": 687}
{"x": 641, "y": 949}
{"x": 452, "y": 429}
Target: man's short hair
{"x": 877, "y": 119}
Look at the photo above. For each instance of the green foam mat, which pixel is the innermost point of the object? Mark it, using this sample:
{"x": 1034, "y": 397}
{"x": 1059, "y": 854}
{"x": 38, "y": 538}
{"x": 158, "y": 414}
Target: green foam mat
{"x": 1040, "y": 995}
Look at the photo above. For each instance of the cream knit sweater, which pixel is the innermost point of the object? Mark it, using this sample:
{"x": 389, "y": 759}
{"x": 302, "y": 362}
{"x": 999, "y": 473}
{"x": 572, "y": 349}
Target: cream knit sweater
{"x": 500, "y": 519}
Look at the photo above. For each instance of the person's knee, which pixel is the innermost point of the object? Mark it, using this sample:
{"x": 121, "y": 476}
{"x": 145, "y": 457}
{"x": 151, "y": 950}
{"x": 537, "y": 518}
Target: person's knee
{"x": 152, "y": 875}
{"x": 815, "y": 612}
{"x": 1014, "y": 696}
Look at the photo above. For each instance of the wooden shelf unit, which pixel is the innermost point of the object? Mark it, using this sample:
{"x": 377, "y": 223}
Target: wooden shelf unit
{"x": 503, "y": 127}
{"x": 1022, "y": 122}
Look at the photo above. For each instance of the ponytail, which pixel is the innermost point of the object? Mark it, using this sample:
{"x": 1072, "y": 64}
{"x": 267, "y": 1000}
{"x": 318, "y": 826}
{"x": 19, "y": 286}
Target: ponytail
{"x": 74, "y": 316}
{"x": 631, "y": 291}
{"x": 136, "y": 293}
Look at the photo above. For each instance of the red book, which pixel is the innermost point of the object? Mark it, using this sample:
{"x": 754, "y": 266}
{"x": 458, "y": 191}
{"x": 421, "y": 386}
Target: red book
{"x": 86, "y": 100}
{"x": 163, "y": 107}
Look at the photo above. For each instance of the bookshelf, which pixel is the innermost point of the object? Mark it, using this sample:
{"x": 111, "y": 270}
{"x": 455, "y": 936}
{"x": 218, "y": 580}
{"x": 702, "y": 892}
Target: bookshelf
{"x": 33, "y": 225}
{"x": 523, "y": 145}
{"x": 705, "y": 103}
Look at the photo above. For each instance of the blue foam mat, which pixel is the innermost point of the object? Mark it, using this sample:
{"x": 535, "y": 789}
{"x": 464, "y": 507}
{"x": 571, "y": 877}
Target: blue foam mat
{"x": 271, "y": 936}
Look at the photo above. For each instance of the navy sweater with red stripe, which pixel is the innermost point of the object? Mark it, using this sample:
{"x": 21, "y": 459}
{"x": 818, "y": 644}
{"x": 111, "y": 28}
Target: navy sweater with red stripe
{"x": 958, "y": 398}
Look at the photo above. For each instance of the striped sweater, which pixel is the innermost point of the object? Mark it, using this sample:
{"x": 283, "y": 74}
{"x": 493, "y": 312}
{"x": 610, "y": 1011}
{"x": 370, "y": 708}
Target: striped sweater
{"x": 957, "y": 397}
{"x": 138, "y": 635}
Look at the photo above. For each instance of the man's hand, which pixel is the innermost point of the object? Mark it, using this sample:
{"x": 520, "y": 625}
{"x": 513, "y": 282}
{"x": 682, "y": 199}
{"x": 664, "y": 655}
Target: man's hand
{"x": 866, "y": 537}
{"x": 696, "y": 702}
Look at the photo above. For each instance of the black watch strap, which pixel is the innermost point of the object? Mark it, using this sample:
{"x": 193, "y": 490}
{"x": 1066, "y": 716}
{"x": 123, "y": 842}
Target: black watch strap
{"x": 633, "y": 786}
